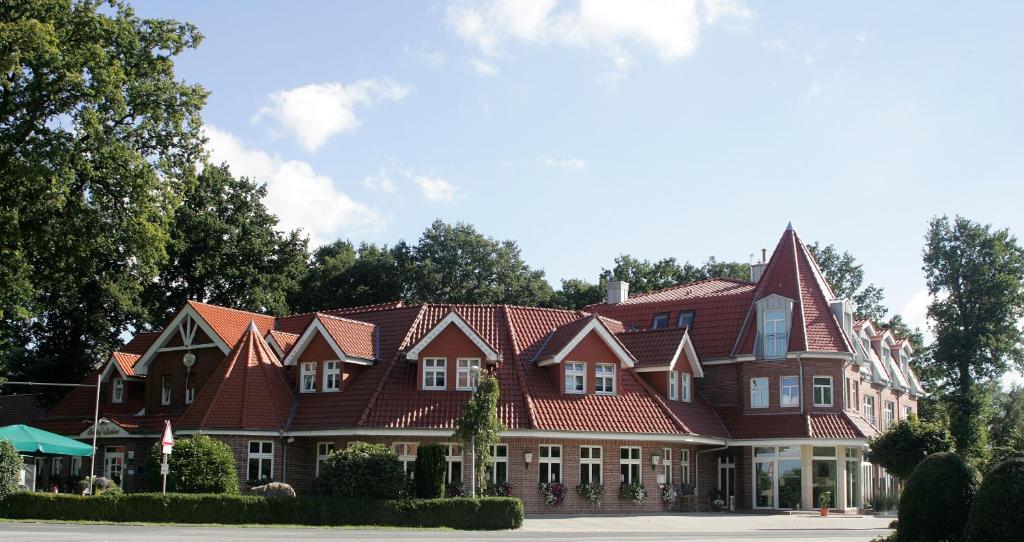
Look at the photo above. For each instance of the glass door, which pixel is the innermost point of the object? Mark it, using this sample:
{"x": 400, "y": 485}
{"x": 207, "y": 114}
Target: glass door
{"x": 113, "y": 463}
{"x": 727, "y": 478}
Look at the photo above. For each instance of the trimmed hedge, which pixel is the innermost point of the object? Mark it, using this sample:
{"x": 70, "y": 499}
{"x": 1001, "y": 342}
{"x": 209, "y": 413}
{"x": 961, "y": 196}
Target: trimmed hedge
{"x": 998, "y": 509}
{"x": 483, "y": 513}
{"x": 935, "y": 504}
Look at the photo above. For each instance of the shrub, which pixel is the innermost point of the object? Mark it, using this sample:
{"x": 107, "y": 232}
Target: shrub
{"x": 10, "y": 467}
{"x": 501, "y": 489}
{"x": 904, "y": 445}
{"x": 554, "y": 493}
{"x": 362, "y": 470}
{"x": 455, "y": 490}
{"x": 669, "y": 495}
{"x": 937, "y": 499}
{"x": 591, "y": 492}
{"x": 431, "y": 467}
{"x": 199, "y": 464}
{"x": 634, "y": 492}
{"x": 997, "y": 512}
{"x": 482, "y": 513}
{"x": 883, "y": 502}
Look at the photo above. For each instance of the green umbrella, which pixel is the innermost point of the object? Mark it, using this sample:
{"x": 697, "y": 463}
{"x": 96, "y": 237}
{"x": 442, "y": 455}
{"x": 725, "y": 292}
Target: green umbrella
{"x": 30, "y": 440}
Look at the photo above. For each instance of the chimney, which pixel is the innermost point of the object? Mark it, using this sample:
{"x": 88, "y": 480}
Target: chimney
{"x": 757, "y": 269}
{"x": 618, "y": 292}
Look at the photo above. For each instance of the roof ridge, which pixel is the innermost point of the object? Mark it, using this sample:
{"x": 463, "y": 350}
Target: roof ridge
{"x": 387, "y": 370}
{"x": 333, "y": 317}
{"x": 691, "y": 283}
{"x": 642, "y": 331}
{"x": 397, "y": 304}
{"x": 194, "y": 302}
{"x": 531, "y": 416}
{"x": 799, "y": 291}
{"x": 820, "y": 280}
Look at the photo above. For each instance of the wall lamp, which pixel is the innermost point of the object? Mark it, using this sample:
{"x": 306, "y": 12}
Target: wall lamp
{"x": 655, "y": 461}
{"x": 528, "y": 458}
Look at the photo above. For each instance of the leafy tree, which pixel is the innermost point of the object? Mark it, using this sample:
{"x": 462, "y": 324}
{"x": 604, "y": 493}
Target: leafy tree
{"x": 479, "y": 426}
{"x": 846, "y": 277}
{"x": 430, "y": 470}
{"x": 10, "y": 467}
{"x": 342, "y": 276}
{"x": 457, "y": 264}
{"x": 904, "y": 445}
{"x": 975, "y": 276}
{"x": 224, "y": 249}
{"x": 362, "y": 471}
{"x": 576, "y": 294}
{"x": 646, "y": 276}
{"x": 937, "y": 499}
{"x": 97, "y": 139}
{"x": 199, "y": 464}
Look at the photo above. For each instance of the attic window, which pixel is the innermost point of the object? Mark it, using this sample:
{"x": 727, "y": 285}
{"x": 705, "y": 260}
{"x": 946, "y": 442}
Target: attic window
{"x": 776, "y": 336}
{"x": 660, "y": 321}
{"x": 685, "y": 319}
{"x": 118, "y": 396}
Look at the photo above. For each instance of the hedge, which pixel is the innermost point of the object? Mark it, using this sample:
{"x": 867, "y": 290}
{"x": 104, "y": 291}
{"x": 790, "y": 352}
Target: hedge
{"x": 998, "y": 509}
{"x": 482, "y": 513}
{"x": 937, "y": 499}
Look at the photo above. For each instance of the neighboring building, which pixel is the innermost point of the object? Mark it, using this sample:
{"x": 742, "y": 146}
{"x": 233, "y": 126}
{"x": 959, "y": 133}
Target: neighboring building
{"x": 19, "y": 408}
{"x": 744, "y": 390}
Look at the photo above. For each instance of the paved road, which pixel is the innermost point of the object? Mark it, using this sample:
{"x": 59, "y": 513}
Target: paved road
{"x": 713, "y": 528}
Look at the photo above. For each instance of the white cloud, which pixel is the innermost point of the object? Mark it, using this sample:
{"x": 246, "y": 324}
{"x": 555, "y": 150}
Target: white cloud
{"x": 671, "y": 28}
{"x": 296, "y": 193}
{"x": 435, "y": 189}
{"x": 861, "y": 36}
{"x": 428, "y": 57}
{"x": 314, "y": 113}
{"x": 566, "y": 163}
{"x": 484, "y": 68}
{"x": 380, "y": 182}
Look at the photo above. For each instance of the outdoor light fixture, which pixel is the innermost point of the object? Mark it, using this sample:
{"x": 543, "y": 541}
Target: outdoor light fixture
{"x": 528, "y": 457}
{"x": 189, "y": 359}
{"x": 655, "y": 459}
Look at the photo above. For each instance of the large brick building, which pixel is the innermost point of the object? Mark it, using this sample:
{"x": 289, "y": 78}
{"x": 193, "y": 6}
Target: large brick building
{"x": 760, "y": 392}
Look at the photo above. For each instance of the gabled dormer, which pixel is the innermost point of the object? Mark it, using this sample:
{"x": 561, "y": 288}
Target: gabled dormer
{"x": 665, "y": 359}
{"x": 774, "y": 323}
{"x": 330, "y": 352}
{"x": 451, "y": 356}
{"x": 583, "y": 357}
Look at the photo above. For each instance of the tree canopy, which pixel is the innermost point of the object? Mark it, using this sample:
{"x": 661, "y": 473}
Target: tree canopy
{"x": 846, "y": 277}
{"x": 904, "y": 445}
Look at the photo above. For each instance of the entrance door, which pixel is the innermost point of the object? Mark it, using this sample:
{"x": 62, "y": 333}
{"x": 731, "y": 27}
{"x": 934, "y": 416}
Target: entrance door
{"x": 113, "y": 463}
{"x": 727, "y": 478}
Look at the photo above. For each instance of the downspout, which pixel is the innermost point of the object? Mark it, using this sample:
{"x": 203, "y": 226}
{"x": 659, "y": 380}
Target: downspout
{"x": 800, "y": 362}
{"x": 284, "y": 457}
{"x": 696, "y": 467}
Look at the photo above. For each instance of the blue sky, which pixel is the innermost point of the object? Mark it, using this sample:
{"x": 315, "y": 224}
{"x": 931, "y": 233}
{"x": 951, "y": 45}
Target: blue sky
{"x": 586, "y": 130}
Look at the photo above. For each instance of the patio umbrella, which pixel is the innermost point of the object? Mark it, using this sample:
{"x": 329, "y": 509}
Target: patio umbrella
{"x": 29, "y": 440}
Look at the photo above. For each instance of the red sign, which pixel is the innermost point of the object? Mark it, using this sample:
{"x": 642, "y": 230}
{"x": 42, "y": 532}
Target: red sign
{"x": 167, "y": 439}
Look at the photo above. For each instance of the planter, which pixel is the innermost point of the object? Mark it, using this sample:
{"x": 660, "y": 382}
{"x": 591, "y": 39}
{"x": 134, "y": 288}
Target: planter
{"x": 824, "y": 512}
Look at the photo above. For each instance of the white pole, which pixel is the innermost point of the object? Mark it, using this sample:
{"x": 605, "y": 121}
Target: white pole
{"x": 164, "y": 472}
{"x": 472, "y": 460}
{"x": 95, "y": 431}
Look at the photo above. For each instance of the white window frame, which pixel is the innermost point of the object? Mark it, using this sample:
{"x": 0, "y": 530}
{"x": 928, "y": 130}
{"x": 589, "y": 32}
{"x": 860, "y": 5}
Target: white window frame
{"x": 577, "y": 372}
{"x": 76, "y": 465}
{"x": 260, "y": 455}
{"x": 684, "y": 466}
{"x": 659, "y": 317}
{"x": 56, "y": 465}
{"x": 432, "y": 369}
{"x": 546, "y": 461}
{"x": 307, "y": 377}
{"x": 776, "y": 336}
{"x": 323, "y": 449}
{"x": 406, "y": 452}
{"x": 631, "y": 461}
{"x": 190, "y": 394}
{"x": 452, "y": 458}
{"x": 332, "y": 376}
{"x": 166, "y": 391}
{"x": 908, "y": 411}
{"x": 666, "y": 461}
{"x": 791, "y": 399}
{"x": 869, "y": 405}
{"x": 755, "y": 388}
{"x": 497, "y": 459}
{"x": 815, "y": 387}
{"x": 592, "y": 464}
{"x": 117, "y": 390}
{"x": 888, "y": 413}
{"x": 466, "y": 379}
{"x": 603, "y": 373}
{"x": 673, "y": 386}
{"x": 686, "y": 387}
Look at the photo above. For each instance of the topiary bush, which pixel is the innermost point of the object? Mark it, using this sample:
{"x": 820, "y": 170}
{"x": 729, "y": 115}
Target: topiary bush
{"x": 900, "y": 448}
{"x": 997, "y": 512}
{"x": 936, "y": 501}
{"x": 362, "y": 470}
{"x": 199, "y": 464}
{"x": 10, "y": 467}
{"x": 431, "y": 467}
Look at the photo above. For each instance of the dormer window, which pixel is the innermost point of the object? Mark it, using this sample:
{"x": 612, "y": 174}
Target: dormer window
{"x": 332, "y": 375}
{"x": 118, "y": 391}
{"x": 308, "y": 377}
{"x": 776, "y": 336}
{"x": 165, "y": 390}
{"x": 685, "y": 387}
{"x": 575, "y": 377}
{"x": 660, "y": 321}
{"x": 673, "y": 385}
{"x": 434, "y": 373}
{"x": 604, "y": 379}
{"x": 867, "y": 344}
{"x": 466, "y": 377}
{"x": 190, "y": 395}
{"x": 886, "y": 354}
{"x": 685, "y": 319}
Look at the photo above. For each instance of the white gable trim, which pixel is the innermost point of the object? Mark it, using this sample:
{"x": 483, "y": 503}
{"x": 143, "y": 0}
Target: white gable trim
{"x": 142, "y": 366}
{"x": 274, "y": 346}
{"x": 111, "y": 364}
{"x": 314, "y": 327}
{"x": 452, "y": 318}
{"x": 107, "y": 429}
{"x": 684, "y": 345}
{"x": 594, "y": 324}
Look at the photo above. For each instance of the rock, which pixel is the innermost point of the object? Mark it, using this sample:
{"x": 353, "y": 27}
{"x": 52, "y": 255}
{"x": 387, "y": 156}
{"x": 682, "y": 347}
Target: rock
{"x": 273, "y": 490}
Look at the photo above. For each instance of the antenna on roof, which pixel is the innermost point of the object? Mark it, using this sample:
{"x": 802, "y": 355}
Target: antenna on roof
{"x": 789, "y": 227}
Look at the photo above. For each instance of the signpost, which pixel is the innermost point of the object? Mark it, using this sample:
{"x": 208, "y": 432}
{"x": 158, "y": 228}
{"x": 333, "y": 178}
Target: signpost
{"x": 167, "y": 442}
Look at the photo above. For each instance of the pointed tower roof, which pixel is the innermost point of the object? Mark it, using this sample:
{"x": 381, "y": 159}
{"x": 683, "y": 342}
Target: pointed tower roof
{"x": 793, "y": 273}
{"x": 248, "y": 390}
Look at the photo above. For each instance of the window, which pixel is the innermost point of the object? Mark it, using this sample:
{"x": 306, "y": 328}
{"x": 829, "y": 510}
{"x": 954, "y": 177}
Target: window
{"x": 118, "y": 393}
{"x": 454, "y": 475}
{"x": 673, "y": 385}
{"x": 759, "y": 392}
{"x": 666, "y": 460}
{"x": 776, "y": 336}
{"x": 590, "y": 464}
{"x": 434, "y": 372}
{"x": 497, "y": 471}
{"x": 685, "y": 319}
{"x": 165, "y": 390}
{"x": 777, "y": 477}
{"x": 332, "y": 375}
{"x": 790, "y": 391}
{"x": 822, "y": 391}
{"x": 869, "y": 408}
{"x": 604, "y": 379}
{"x": 466, "y": 378}
{"x": 907, "y": 412}
{"x": 76, "y": 466}
{"x": 660, "y": 321}
{"x": 308, "y": 377}
{"x": 686, "y": 386}
{"x": 867, "y": 345}
{"x": 629, "y": 464}
{"x": 886, "y": 354}
{"x": 190, "y": 395}
{"x": 575, "y": 377}
{"x": 888, "y": 413}
{"x": 56, "y": 464}
{"x": 550, "y": 463}
{"x": 323, "y": 449}
{"x": 406, "y": 452}
{"x": 684, "y": 466}
{"x": 261, "y": 460}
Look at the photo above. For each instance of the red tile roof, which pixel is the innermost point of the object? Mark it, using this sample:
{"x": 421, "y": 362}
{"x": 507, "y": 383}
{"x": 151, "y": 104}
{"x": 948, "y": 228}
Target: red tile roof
{"x": 126, "y": 362}
{"x": 833, "y": 426}
{"x": 284, "y": 340}
{"x": 231, "y": 324}
{"x": 653, "y": 348}
{"x": 747, "y": 426}
{"x": 355, "y": 338}
{"x": 19, "y": 408}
